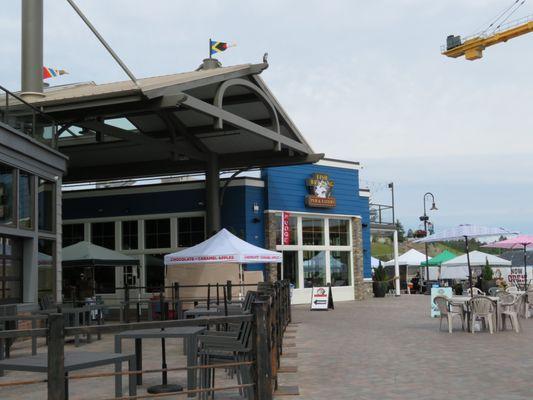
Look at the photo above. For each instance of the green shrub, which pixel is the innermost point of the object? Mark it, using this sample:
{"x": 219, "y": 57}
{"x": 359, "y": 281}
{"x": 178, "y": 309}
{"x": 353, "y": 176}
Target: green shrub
{"x": 380, "y": 275}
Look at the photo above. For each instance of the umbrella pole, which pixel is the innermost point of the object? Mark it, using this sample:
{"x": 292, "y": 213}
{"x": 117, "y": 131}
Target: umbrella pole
{"x": 469, "y": 267}
{"x": 525, "y": 267}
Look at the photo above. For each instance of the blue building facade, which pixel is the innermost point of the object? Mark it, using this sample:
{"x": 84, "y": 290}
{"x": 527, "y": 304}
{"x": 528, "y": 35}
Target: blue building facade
{"x": 327, "y": 236}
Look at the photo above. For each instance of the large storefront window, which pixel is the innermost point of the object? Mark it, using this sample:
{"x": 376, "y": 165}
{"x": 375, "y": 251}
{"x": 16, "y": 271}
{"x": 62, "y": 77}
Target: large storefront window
{"x": 339, "y": 232}
{"x": 312, "y": 231}
{"x": 191, "y": 231}
{"x": 154, "y": 270}
{"x": 72, "y": 234}
{"x": 157, "y": 233}
{"x": 10, "y": 270}
{"x": 290, "y": 267}
{"x": 25, "y": 200}
{"x": 46, "y": 205}
{"x": 314, "y": 268}
{"x": 6, "y": 195}
{"x": 46, "y": 267}
{"x": 103, "y": 234}
{"x": 130, "y": 235}
{"x": 339, "y": 264}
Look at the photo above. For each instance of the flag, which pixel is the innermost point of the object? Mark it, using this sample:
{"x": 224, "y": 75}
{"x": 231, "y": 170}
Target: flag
{"x": 52, "y": 72}
{"x": 218, "y": 47}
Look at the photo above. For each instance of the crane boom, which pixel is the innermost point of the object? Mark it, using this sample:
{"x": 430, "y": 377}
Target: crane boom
{"x": 472, "y": 48}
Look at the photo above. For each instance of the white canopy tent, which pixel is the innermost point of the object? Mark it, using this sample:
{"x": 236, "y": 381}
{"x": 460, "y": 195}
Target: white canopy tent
{"x": 412, "y": 259}
{"x": 457, "y": 268}
{"x": 224, "y": 248}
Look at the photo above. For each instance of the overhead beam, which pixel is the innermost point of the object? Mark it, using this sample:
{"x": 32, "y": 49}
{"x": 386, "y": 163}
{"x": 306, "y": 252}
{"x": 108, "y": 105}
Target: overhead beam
{"x": 169, "y": 167}
{"x": 232, "y": 119}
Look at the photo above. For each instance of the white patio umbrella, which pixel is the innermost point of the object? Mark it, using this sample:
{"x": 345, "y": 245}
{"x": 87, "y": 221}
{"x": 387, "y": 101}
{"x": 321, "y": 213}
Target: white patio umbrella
{"x": 465, "y": 232}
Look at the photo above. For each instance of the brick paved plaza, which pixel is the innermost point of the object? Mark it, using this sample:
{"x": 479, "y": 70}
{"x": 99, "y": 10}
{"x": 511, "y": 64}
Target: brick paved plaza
{"x": 378, "y": 349}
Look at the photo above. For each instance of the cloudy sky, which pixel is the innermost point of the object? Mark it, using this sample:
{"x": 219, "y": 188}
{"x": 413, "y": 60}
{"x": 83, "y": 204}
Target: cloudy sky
{"x": 363, "y": 80}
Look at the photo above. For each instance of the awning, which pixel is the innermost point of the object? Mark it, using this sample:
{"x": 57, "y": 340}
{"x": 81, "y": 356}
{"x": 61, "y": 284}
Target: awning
{"x": 86, "y": 254}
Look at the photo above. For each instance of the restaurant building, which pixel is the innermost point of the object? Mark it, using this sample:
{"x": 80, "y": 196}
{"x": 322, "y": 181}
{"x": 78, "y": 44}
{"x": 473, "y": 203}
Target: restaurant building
{"x": 326, "y": 237}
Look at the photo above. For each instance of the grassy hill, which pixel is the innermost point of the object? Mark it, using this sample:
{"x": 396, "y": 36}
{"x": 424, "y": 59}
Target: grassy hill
{"x": 384, "y": 251}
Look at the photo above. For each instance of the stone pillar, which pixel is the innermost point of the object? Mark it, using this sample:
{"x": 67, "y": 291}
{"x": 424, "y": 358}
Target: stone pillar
{"x": 270, "y": 243}
{"x": 357, "y": 249}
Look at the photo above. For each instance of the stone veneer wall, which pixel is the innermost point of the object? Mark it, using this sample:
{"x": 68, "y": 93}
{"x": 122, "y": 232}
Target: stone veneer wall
{"x": 270, "y": 243}
{"x": 362, "y": 289}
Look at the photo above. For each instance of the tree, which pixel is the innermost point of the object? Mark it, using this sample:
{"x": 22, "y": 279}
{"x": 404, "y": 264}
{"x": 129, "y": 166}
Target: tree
{"x": 401, "y": 231}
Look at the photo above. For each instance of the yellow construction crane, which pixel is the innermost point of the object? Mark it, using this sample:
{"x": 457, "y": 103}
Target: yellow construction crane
{"x": 472, "y": 47}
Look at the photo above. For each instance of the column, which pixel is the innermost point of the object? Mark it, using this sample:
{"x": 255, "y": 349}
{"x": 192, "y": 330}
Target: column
{"x": 212, "y": 198}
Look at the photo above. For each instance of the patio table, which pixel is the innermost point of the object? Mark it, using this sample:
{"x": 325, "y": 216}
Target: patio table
{"x": 465, "y": 299}
{"x": 188, "y": 333}
{"x": 76, "y": 360}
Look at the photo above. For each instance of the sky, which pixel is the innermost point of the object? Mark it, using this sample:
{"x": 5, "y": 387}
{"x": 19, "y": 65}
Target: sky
{"x": 363, "y": 81}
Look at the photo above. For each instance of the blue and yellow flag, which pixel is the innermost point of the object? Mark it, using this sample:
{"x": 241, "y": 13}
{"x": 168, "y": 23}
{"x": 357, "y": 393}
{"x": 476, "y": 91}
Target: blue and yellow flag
{"x": 218, "y": 47}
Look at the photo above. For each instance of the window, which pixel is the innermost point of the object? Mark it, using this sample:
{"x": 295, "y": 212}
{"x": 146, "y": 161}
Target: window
{"x": 103, "y": 234}
{"x": 290, "y": 267}
{"x": 25, "y": 200}
{"x": 157, "y": 233}
{"x": 292, "y": 234}
{"x": 339, "y": 232}
{"x": 46, "y": 266}
{"x": 10, "y": 271}
{"x": 339, "y": 265}
{"x": 72, "y": 234}
{"x": 154, "y": 270}
{"x": 191, "y": 231}
{"x": 312, "y": 231}
{"x": 46, "y": 205}
{"x": 6, "y": 195}
{"x": 130, "y": 238}
{"x": 314, "y": 268}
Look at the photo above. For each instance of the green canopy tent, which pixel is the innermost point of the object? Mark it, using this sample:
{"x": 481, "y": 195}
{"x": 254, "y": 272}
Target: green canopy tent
{"x": 90, "y": 258}
{"x": 436, "y": 261}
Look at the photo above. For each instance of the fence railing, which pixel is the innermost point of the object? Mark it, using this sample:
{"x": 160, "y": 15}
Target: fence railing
{"x": 26, "y": 118}
{"x": 270, "y": 315}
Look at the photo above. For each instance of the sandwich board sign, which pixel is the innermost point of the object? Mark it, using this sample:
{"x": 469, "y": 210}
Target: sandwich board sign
{"x": 321, "y": 298}
{"x": 439, "y": 291}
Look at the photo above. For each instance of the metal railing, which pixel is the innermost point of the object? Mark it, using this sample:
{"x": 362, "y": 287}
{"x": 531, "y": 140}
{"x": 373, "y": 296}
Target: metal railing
{"x": 381, "y": 214}
{"x": 26, "y": 118}
{"x": 270, "y": 316}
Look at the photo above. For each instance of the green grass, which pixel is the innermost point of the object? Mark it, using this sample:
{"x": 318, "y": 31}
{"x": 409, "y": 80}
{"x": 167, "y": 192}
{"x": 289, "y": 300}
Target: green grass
{"x": 383, "y": 251}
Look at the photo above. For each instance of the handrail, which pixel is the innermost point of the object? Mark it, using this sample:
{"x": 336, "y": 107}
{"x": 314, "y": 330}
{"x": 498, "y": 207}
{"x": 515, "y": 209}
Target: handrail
{"x": 9, "y": 92}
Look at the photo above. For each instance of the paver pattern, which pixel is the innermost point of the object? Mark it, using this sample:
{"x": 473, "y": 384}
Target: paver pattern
{"x": 390, "y": 349}
{"x": 379, "y": 349}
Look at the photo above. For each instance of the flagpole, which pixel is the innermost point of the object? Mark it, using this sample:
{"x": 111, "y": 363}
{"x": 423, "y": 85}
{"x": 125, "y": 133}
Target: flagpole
{"x": 209, "y": 48}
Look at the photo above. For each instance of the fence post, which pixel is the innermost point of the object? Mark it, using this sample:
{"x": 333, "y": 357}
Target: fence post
{"x": 56, "y": 358}
{"x": 228, "y": 289}
{"x": 208, "y": 295}
{"x": 263, "y": 381}
{"x": 126, "y": 302}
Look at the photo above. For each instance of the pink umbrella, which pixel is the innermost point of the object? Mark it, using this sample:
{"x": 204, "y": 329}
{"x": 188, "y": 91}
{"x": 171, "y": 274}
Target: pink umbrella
{"x": 518, "y": 242}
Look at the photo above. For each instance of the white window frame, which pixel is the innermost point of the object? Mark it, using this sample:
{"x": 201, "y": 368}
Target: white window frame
{"x": 327, "y": 248}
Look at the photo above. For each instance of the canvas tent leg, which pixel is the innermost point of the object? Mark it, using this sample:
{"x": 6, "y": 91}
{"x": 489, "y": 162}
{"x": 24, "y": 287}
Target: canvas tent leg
{"x": 396, "y": 266}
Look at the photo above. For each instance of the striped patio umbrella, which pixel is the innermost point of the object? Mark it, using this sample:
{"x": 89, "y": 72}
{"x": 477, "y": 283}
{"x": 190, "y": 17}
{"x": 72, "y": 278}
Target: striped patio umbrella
{"x": 518, "y": 242}
{"x": 465, "y": 232}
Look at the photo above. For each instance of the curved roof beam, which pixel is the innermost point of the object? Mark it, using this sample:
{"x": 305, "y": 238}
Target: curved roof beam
{"x": 219, "y": 98}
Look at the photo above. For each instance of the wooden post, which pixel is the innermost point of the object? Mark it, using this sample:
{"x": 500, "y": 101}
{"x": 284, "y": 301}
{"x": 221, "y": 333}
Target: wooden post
{"x": 208, "y": 295}
{"x": 56, "y": 357}
{"x": 228, "y": 289}
{"x": 126, "y": 303}
{"x": 262, "y": 349}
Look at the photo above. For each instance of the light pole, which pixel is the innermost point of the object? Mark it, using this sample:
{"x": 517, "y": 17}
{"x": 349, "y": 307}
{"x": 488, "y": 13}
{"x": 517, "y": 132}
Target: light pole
{"x": 425, "y": 219}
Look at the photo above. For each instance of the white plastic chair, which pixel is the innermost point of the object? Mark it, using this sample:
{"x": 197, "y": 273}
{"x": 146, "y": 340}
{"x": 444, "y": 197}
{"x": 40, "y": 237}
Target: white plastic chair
{"x": 510, "y": 306}
{"x": 448, "y": 310}
{"x": 477, "y": 292}
{"x": 482, "y": 308}
{"x": 512, "y": 289}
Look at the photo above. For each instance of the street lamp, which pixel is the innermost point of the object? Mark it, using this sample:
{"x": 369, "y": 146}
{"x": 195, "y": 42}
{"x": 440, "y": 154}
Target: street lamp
{"x": 425, "y": 219}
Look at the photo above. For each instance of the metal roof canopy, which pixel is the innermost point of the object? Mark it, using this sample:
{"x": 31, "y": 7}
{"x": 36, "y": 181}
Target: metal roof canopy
{"x": 173, "y": 124}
